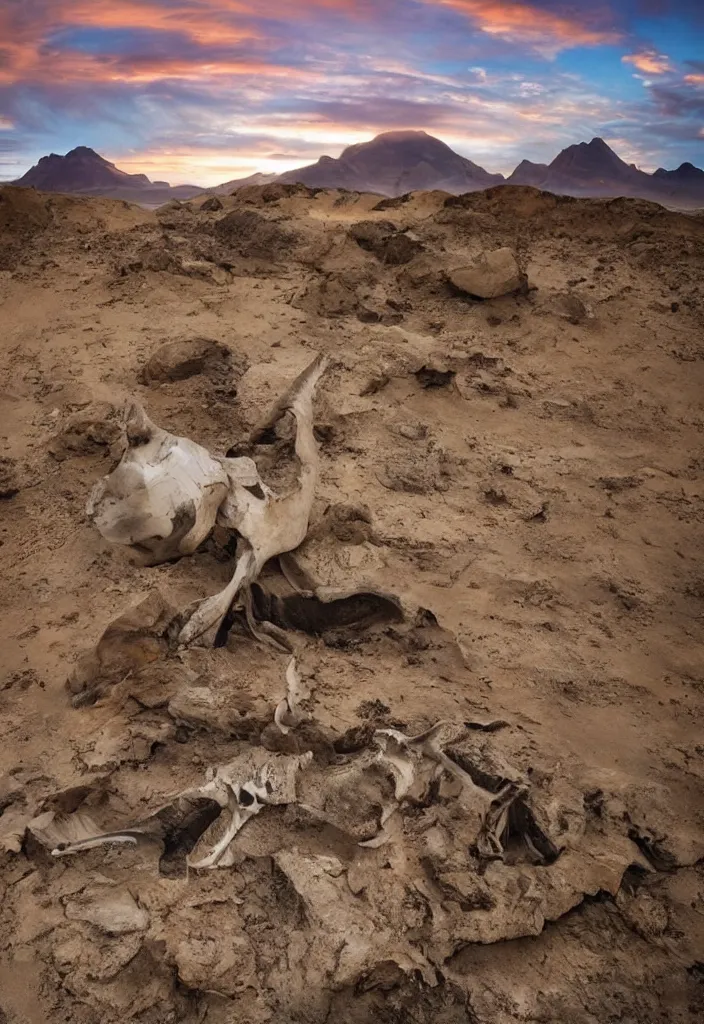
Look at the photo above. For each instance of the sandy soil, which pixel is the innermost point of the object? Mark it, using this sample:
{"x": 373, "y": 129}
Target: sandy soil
{"x": 525, "y": 474}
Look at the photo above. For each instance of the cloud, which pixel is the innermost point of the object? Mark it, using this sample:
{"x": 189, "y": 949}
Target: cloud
{"x": 649, "y": 61}
{"x": 674, "y": 101}
{"x": 206, "y": 90}
{"x": 546, "y": 30}
{"x": 695, "y": 79}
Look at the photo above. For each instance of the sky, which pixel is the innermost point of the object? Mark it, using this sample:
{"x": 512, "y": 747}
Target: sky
{"x": 203, "y": 91}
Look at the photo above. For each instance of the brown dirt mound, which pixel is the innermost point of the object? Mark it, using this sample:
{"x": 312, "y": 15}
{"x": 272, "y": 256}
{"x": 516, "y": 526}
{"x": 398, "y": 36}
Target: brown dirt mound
{"x": 251, "y": 235}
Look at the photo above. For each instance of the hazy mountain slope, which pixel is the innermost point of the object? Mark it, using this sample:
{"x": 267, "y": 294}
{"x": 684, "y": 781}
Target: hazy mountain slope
{"x": 593, "y": 169}
{"x": 253, "y": 179}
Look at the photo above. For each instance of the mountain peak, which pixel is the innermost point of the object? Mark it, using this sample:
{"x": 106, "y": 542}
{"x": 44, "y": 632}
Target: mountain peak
{"x": 394, "y": 163}
{"x": 402, "y": 135}
{"x": 80, "y": 170}
{"x": 686, "y": 174}
{"x": 589, "y": 164}
{"x": 83, "y": 151}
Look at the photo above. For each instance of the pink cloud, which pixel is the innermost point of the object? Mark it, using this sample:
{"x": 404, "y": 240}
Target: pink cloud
{"x": 649, "y": 62}
{"x": 544, "y": 30}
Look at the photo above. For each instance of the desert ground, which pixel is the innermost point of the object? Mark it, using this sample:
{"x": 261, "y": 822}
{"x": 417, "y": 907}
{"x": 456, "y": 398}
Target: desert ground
{"x": 522, "y": 477}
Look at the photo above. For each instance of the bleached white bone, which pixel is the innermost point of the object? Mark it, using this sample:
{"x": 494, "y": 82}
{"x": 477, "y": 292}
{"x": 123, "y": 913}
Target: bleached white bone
{"x": 287, "y": 714}
{"x": 167, "y": 493}
{"x": 268, "y": 524}
{"x": 162, "y": 499}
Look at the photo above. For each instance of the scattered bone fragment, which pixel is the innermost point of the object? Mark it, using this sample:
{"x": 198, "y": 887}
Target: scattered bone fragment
{"x": 288, "y": 713}
{"x": 247, "y": 785}
{"x": 357, "y": 797}
{"x": 174, "y": 827}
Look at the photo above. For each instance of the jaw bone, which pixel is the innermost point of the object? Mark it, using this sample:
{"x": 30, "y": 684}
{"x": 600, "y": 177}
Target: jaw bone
{"x": 268, "y": 524}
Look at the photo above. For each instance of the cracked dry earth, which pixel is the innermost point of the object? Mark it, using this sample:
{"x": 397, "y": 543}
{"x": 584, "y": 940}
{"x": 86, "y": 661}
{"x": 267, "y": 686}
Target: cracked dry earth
{"x": 523, "y": 475}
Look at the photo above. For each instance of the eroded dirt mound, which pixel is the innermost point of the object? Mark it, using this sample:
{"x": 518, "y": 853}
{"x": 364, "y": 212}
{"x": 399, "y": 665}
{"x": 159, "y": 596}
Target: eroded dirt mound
{"x": 483, "y": 785}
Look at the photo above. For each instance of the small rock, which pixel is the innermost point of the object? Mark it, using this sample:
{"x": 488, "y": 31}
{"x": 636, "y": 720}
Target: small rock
{"x": 178, "y": 360}
{"x": 114, "y": 911}
{"x": 206, "y": 270}
{"x": 413, "y": 431}
{"x": 572, "y": 308}
{"x": 356, "y": 879}
{"x": 643, "y": 914}
{"x": 95, "y": 429}
{"x": 10, "y": 791}
{"x": 434, "y": 377}
{"x": 385, "y": 241}
{"x": 9, "y": 482}
{"x": 374, "y": 385}
{"x": 211, "y": 204}
{"x": 556, "y": 405}
{"x": 492, "y": 274}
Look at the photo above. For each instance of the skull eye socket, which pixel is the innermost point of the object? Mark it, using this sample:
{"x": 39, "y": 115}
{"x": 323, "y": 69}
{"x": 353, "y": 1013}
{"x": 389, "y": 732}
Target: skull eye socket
{"x": 256, "y": 490}
{"x": 246, "y": 798}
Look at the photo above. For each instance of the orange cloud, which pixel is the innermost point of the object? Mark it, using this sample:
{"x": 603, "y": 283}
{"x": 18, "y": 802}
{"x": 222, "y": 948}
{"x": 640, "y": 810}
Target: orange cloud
{"x": 518, "y": 21}
{"x": 30, "y": 56}
{"x": 694, "y": 79}
{"x": 200, "y": 24}
{"x": 27, "y": 51}
{"x": 649, "y": 62}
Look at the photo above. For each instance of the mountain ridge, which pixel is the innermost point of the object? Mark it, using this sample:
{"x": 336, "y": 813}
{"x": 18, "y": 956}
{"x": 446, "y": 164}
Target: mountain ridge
{"x": 392, "y": 163}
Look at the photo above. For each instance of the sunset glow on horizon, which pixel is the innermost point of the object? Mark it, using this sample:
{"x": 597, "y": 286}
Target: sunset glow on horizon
{"x": 203, "y": 91}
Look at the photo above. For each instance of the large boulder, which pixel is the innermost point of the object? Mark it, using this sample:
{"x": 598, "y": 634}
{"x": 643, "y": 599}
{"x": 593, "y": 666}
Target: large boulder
{"x": 492, "y": 274}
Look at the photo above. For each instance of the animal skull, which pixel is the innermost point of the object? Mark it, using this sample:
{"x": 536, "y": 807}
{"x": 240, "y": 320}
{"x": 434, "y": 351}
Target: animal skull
{"x": 168, "y": 492}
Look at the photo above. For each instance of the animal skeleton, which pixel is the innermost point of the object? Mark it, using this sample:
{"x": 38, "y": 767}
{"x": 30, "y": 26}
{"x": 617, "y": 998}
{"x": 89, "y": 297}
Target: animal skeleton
{"x": 168, "y": 492}
{"x": 215, "y": 812}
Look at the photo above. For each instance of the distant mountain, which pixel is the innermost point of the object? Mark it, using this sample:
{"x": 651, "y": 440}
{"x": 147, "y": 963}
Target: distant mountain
{"x": 593, "y": 169}
{"x": 84, "y": 171}
{"x": 391, "y": 164}
{"x": 685, "y": 174}
{"x": 686, "y": 179}
{"x": 528, "y": 173}
{"x": 394, "y": 163}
